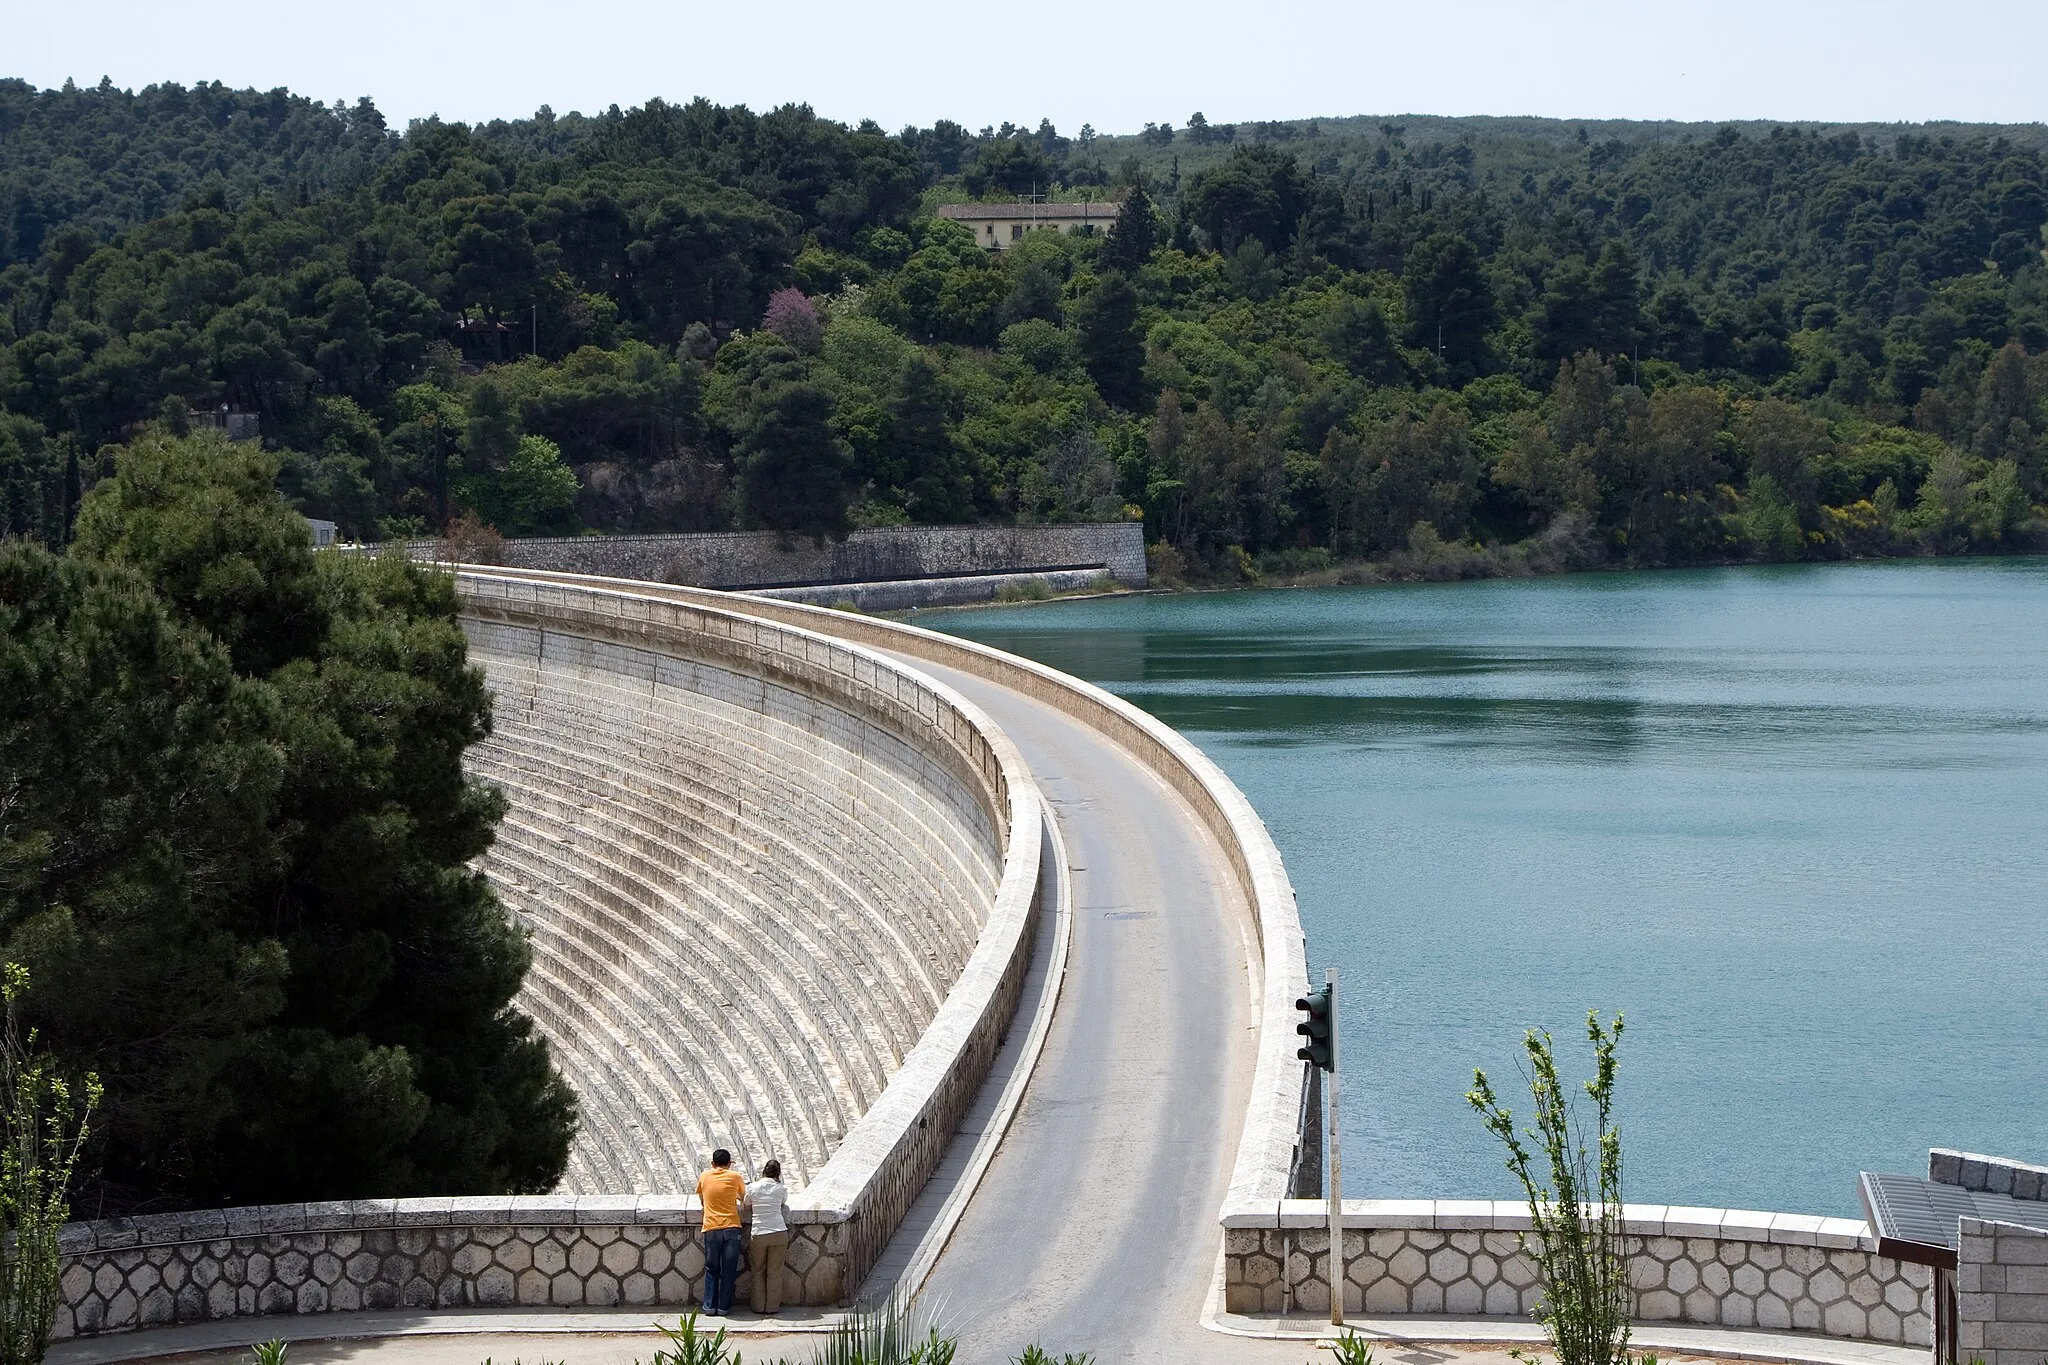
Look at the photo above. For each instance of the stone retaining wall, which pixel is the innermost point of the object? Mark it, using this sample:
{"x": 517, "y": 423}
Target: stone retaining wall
{"x": 675, "y": 769}
{"x": 911, "y": 594}
{"x": 761, "y": 559}
{"x": 1719, "y": 1267}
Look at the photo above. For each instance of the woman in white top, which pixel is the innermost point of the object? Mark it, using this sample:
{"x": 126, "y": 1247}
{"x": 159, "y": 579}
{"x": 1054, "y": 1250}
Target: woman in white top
{"x": 766, "y": 1198}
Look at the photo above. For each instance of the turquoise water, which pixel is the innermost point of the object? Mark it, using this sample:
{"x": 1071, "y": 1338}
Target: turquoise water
{"x": 1792, "y": 821}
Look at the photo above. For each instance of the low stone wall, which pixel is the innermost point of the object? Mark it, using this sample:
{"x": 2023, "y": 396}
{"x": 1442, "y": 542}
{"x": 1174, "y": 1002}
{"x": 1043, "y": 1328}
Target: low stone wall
{"x": 2002, "y": 1293}
{"x": 910, "y": 594}
{"x": 406, "y": 1253}
{"x": 1718, "y": 1267}
{"x": 708, "y": 766}
{"x": 761, "y": 559}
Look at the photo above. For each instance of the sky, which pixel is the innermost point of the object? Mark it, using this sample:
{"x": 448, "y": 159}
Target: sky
{"x": 1111, "y": 63}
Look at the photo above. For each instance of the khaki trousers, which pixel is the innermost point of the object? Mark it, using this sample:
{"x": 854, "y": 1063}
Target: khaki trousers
{"x": 765, "y": 1252}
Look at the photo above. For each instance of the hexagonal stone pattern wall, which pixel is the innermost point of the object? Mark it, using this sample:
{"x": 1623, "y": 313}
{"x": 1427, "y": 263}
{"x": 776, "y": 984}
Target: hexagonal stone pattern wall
{"x": 155, "y": 1272}
{"x": 1844, "y": 1290}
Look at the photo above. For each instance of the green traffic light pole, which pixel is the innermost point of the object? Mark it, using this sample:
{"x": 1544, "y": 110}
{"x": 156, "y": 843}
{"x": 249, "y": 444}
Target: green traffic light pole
{"x": 1336, "y": 1182}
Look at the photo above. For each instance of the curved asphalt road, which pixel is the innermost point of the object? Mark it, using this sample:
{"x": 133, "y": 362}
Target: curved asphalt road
{"x": 1094, "y": 1228}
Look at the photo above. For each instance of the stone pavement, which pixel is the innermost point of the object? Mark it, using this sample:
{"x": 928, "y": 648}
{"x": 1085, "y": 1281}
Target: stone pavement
{"x": 503, "y": 1335}
{"x": 622, "y": 1337}
{"x": 1424, "y": 1339}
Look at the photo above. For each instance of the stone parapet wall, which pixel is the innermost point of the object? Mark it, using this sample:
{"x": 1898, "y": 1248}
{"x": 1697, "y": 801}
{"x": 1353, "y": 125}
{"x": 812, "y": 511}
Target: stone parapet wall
{"x": 761, "y": 559}
{"x": 676, "y": 771}
{"x": 407, "y": 1253}
{"x": 1989, "y": 1174}
{"x": 2001, "y": 1293}
{"x": 1718, "y": 1267}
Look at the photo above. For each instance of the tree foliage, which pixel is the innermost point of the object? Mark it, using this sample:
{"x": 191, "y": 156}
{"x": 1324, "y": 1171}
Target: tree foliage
{"x": 411, "y": 316}
{"x": 238, "y": 833}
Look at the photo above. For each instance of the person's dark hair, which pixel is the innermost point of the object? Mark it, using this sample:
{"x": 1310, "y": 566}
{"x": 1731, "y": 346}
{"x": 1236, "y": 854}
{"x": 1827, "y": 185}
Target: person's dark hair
{"x": 721, "y": 1157}
{"x": 772, "y": 1169}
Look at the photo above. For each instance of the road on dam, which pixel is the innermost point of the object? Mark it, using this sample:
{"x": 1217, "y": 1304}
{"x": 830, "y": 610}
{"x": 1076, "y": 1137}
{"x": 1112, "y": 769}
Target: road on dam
{"x": 1095, "y": 1227}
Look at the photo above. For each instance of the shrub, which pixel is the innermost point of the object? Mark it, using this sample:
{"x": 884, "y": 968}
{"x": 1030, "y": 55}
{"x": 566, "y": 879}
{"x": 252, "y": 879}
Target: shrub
{"x": 46, "y": 1126}
{"x": 1576, "y": 1239}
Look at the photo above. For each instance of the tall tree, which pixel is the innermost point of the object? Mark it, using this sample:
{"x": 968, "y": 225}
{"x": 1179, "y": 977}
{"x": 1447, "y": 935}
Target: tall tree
{"x": 1450, "y": 305}
{"x": 938, "y": 487}
{"x": 1135, "y": 234}
{"x": 1111, "y": 345}
{"x": 795, "y": 474}
{"x": 373, "y": 1047}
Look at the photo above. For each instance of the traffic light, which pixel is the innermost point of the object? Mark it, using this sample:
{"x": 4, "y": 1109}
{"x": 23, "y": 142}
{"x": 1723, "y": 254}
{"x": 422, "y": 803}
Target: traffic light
{"x": 1316, "y": 1005}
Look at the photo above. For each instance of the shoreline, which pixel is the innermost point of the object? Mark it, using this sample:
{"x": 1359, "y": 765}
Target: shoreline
{"x": 1338, "y": 576}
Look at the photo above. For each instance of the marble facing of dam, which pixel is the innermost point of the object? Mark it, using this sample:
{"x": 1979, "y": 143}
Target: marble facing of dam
{"x": 746, "y": 900}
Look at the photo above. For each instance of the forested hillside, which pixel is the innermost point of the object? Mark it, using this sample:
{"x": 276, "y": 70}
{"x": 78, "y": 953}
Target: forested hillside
{"x": 1452, "y": 346}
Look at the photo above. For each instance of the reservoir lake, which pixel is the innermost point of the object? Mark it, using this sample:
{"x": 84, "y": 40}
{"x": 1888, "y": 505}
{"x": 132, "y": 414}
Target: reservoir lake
{"x": 1792, "y": 821}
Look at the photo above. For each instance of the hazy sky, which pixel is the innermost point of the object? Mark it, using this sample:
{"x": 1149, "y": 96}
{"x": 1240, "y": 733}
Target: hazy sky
{"x": 1112, "y": 63}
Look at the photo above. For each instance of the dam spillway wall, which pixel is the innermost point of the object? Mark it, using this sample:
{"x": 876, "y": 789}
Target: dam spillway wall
{"x": 748, "y": 886}
{"x": 781, "y": 893}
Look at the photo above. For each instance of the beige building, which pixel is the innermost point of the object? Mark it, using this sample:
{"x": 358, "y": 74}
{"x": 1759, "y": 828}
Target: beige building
{"x": 997, "y": 225}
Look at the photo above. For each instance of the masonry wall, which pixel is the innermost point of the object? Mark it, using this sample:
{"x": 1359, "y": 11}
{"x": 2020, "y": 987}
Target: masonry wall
{"x": 1726, "y": 1268}
{"x": 758, "y": 559}
{"x": 2002, "y": 1294}
{"x": 409, "y": 1253}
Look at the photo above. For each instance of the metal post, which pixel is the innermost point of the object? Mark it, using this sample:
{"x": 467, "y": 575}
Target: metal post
{"x": 1336, "y": 1183}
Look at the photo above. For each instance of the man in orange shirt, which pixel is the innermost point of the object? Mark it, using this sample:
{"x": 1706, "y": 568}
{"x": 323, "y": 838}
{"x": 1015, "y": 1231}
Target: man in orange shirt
{"x": 719, "y": 1191}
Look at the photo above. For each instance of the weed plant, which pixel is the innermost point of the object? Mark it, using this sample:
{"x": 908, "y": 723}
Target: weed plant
{"x": 1350, "y": 1349}
{"x": 1576, "y": 1238}
{"x": 689, "y": 1344}
{"x": 899, "y": 1332}
{"x": 1035, "y": 1354}
{"x": 47, "y": 1125}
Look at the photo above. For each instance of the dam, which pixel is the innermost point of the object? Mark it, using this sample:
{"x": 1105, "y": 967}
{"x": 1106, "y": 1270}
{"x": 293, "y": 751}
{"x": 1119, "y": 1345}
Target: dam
{"x": 787, "y": 872}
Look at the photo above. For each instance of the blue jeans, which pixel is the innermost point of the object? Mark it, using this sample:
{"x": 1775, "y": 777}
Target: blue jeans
{"x": 721, "y": 1269}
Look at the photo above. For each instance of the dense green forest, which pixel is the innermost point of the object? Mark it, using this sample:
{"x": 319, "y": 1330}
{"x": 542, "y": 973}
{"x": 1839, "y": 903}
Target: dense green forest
{"x": 1447, "y": 346}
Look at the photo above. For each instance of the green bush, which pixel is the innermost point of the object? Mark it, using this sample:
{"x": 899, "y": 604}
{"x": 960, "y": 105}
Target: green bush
{"x": 46, "y": 1126}
{"x": 1576, "y": 1240}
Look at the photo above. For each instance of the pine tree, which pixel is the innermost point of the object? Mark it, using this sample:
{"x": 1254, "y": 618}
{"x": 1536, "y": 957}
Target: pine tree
{"x": 939, "y": 488}
{"x": 795, "y": 474}
{"x": 1135, "y": 234}
{"x": 303, "y": 989}
{"x": 1111, "y": 345}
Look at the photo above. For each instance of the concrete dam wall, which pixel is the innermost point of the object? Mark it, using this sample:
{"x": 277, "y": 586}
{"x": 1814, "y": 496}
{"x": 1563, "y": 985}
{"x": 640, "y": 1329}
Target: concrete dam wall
{"x": 781, "y": 892}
